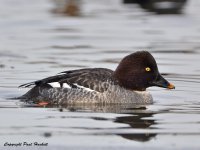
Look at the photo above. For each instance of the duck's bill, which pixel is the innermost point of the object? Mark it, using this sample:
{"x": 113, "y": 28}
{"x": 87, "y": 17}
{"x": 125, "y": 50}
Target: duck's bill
{"x": 162, "y": 82}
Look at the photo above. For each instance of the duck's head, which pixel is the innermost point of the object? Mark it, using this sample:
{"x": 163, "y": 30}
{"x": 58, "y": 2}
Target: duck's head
{"x": 139, "y": 71}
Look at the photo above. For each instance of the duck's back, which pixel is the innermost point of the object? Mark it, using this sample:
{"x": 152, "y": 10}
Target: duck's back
{"x": 74, "y": 86}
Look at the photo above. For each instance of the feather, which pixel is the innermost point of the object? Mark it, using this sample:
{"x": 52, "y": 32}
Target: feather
{"x": 94, "y": 79}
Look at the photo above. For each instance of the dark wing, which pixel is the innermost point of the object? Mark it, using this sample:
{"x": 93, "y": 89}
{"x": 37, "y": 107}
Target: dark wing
{"x": 94, "y": 78}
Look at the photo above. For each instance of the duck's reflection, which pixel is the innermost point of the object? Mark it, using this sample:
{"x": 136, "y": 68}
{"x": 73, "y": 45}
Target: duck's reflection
{"x": 137, "y": 118}
{"x": 138, "y": 121}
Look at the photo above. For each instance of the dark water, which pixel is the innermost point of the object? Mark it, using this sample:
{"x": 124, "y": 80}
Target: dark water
{"x": 36, "y": 43}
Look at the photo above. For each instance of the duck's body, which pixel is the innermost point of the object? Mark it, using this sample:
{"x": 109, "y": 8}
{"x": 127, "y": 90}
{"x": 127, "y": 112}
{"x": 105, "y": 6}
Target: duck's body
{"x": 127, "y": 84}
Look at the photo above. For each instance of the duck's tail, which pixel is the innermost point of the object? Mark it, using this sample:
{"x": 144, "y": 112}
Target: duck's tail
{"x": 33, "y": 96}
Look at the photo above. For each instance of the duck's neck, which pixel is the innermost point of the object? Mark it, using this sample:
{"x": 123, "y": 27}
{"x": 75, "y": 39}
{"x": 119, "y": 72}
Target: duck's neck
{"x": 127, "y": 83}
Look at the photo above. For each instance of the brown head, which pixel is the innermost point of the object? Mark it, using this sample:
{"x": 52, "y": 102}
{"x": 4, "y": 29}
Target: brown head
{"x": 139, "y": 71}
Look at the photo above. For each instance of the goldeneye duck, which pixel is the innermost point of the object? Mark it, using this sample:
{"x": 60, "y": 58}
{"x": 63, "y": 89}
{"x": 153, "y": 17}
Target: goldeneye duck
{"x": 127, "y": 84}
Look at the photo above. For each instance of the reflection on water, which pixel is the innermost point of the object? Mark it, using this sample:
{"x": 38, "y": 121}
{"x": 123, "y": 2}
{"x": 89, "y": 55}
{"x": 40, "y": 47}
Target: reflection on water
{"x": 138, "y": 137}
{"x": 137, "y": 118}
{"x": 103, "y": 108}
{"x": 137, "y": 121}
{"x": 37, "y": 43}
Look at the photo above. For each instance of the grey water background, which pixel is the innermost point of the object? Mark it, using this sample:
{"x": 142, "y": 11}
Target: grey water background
{"x": 36, "y": 43}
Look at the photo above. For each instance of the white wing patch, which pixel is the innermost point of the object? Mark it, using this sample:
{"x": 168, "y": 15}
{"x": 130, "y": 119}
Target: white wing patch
{"x": 65, "y": 85}
{"x": 57, "y": 85}
{"x": 54, "y": 84}
{"x": 82, "y": 87}
{"x": 61, "y": 73}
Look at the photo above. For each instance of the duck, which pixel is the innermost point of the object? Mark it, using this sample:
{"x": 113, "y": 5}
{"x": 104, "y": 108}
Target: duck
{"x": 126, "y": 84}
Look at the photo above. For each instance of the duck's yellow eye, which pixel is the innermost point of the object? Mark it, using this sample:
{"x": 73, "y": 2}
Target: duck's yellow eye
{"x": 148, "y": 69}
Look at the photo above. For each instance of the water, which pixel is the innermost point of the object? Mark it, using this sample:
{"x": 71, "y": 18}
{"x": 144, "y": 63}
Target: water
{"x": 36, "y": 43}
